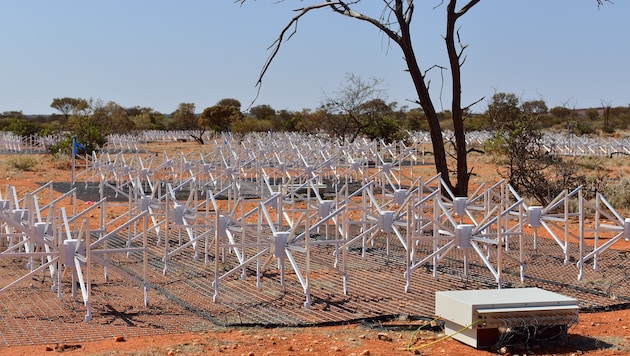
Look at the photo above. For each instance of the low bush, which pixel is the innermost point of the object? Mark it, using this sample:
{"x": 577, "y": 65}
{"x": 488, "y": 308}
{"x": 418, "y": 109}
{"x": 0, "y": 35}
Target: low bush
{"x": 22, "y": 163}
{"x": 617, "y": 192}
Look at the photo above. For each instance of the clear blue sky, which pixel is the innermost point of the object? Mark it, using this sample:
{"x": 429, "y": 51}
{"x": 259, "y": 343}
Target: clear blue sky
{"x": 159, "y": 53}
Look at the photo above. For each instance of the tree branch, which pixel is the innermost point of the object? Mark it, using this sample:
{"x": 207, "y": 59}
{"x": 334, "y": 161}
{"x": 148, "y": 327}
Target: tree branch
{"x": 344, "y": 8}
{"x": 474, "y": 103}
{"x": 467, "y": 7}
{"x": 341, "y": 7}
{"x": 462, "y": 48}
{"x": 275, "y": 46}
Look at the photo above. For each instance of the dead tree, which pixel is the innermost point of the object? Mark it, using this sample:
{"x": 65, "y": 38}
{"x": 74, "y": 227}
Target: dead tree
{"x": 394, "y": 22}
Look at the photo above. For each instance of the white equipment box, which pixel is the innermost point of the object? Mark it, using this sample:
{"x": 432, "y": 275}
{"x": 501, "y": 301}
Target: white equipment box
{"x": 478, "y": 317}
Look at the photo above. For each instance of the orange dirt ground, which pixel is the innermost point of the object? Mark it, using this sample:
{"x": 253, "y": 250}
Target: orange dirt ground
{"x": 602, "y": 333}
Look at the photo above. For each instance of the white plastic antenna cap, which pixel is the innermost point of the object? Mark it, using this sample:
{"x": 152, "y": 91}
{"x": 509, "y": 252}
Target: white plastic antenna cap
{"x": 324, "y": 208}
{"x": 463, "y": 233}
{"x": 386, "y": 220}
{"x": 400, "y": 195}
{"x": 178, "y": 214}
{"x": 533, "y": 215}
{"x": 278, "y": 242}
{"x": 222, "y": 226}
{"x": 460, "y": 205}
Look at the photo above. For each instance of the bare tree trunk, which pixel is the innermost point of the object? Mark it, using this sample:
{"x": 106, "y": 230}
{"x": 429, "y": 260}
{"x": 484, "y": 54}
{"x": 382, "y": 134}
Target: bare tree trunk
{"x": 198, "y": 138}
{"x": 424, "y": 98}
{"x": 461, "y": 152}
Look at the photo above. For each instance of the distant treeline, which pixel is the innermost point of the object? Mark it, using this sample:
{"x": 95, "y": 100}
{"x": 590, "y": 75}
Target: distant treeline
{"x": 94, "y": 119}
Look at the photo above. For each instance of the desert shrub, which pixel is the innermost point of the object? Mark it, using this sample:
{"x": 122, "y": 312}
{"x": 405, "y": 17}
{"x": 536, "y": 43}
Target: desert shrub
{"x": 22, "y": 163}
{"x": 597, "y": 175}
{"x": 250, "y": 124}
{"x": 90, "y": 137}
{"x": 21, "y": 127}
{"x": 61, "y": 160}
{"x": 476, "y": 123}
{"x": 617, "y": 193}
{"x": 495, "y": 145}
{"x": 387, "y": 128}
{"x": 583, "y": 128}
{"x": 555, "y": 175}
{"x": 608, "y": 129}
{"x": 518, "y": 146}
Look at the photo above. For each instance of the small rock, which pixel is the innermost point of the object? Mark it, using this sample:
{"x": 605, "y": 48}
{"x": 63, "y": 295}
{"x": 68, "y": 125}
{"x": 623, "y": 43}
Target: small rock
{"x": 335, "y": 348}
{"x": 362, "y": 336}
{"x": 171, "y": 353}
{"x": 290, "y": 348}
{"x": 120, "y": 339}
{"x": 50, "y": 348}
{"x": 502, "y": 351}
{"x": 64, "y": 347}
{"x": 365, "y": 353}
{"x": 383, "y": 337}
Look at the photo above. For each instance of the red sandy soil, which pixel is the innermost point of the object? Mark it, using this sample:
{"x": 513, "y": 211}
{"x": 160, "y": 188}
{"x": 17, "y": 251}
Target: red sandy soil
{"x": 596, "y": 334}
{"x": 602, "y": 333}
